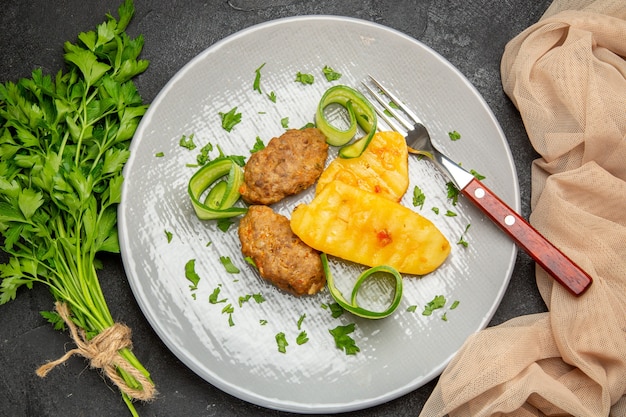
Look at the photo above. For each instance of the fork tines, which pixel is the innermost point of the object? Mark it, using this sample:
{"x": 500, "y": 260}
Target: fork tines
{"x": 391, "y": 104}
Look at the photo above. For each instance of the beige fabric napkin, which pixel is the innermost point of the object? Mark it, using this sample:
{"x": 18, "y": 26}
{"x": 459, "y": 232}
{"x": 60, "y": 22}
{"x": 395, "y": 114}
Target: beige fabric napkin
{"x": 567, "y": 76}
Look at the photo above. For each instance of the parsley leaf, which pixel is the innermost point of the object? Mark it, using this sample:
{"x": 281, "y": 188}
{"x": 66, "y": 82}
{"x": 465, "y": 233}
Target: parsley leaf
{"x": 281, "y": 341}
{"x": 256, "y": 86}
{"x": 187, "y": 142}
{"x": 191, "y": 275}
{"x": 300, "y": 320}
{"x": 258, "y": 298}
{"x": 342, "y": 339}
{"x": 335, "y": 309}
{"x": 230, "y": 119}
{"x": 454, "y": 135}
{"x": 477, "y": 175}
{"x": 304, "y": 78}
{"x": 436, "y": 303}
{"x": 203, "y": 156}
{"x": 228, "y": 265}
{"x": 224, "y": 224}
{"x": 462, "y": 240}
{"x": 302, "y": 338}
{"x": 214, "y": 297}
{"x": 330, "y": 74}
{"x": 418, "y": 197}
{"x": 453, "y": 192}
{"x": 258, "y": 145}
{"x": 54, "y": 319}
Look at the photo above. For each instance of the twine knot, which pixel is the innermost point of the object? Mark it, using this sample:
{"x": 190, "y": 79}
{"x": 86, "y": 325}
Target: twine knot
{"x": 102, "y": 351}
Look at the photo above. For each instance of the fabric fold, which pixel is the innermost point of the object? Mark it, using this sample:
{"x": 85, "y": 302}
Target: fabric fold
{"x": 567, "y": 76}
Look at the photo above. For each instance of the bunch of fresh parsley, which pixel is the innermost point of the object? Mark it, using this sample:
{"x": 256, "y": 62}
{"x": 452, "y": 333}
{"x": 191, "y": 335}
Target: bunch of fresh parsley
{"x": 63, "y": 143}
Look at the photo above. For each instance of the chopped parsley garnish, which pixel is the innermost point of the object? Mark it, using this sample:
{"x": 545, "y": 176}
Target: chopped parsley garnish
{"x": 214, "y": 297}
{"x": 284, "y": 122}
{"x": 159, "y": 154}
{"x": 450, "y": 213}
{"x": 169, "y": 236}
{"x": 256, "y": 86}
{"x": 224, "y": 224}
{"x": 418, "y": 197}
{"x": 477, "y": 175}
{"x": 250, "y": 261}
{"x": 228, "y": 264}
{"x": 229, "y": 309}
{"x": 187, "y": 142}
{"x": 335, "y": 309}
{"x": 436, "y": 303}
{"x": 412, "y": 308}
{"x": 258, "y": 297}
{"x": 454, "y": 135}
{"x": 342, "y": 339}
{"x": 258, "y": 145}
{"x": 462, "y": 240}
{"x": 244, "y": 299}
{"x": 230, "y": 119}
{"x": 272, "y": 96}
{"x": 300, "y": 320}
{"x": 263, "y": 322}
{"x": 435, "y": 210}
{"x": 281, "y": 341}
{"x": 304, "y": 78}
{"x": 203, "y": 156}
{"x": 453, "y": 192}
{"x": 330, "y": 74}
{"x": 454, "y": 305}
{"x": 192, "y": 276}
{"x": 302, "y": 338}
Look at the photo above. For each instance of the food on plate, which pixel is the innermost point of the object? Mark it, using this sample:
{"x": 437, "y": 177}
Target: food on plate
{"x": 383, "y": 168}
{"x": 288, "y": 164}
{"x": 363, "y": 227}
{"x": 280, "y": 256}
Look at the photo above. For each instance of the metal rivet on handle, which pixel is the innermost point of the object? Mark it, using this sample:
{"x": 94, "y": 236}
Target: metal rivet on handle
{"x": 479, "y": 193}
{"x": 509, "y": 220}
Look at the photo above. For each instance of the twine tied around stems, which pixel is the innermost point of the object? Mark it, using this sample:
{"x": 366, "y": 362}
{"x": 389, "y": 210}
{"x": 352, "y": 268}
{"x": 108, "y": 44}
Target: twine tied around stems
{"x": 102, "y": 351}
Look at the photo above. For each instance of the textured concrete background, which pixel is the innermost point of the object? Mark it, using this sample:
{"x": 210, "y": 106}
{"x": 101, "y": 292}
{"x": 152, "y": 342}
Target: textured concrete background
{"x": 471, "y": 34}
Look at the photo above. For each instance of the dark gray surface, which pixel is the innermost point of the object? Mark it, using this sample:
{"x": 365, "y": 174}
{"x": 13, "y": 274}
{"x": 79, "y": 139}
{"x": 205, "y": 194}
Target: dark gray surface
{"x": 470, "y": 34}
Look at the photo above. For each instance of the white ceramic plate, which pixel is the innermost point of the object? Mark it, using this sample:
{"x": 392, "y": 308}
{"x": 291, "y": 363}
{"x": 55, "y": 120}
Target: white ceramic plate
{"x": 397, "y": 354}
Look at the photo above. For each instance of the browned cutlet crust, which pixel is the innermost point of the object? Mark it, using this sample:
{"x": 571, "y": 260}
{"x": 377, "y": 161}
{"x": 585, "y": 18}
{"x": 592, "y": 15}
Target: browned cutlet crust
{"x": 280, "y": 256}
{"x": 289, "y": 164}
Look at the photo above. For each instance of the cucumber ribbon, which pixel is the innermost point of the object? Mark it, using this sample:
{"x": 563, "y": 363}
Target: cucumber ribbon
{"x": 220, "y": 199}
{"x": 352, "y": 305}
{"x": 360, "y": 112}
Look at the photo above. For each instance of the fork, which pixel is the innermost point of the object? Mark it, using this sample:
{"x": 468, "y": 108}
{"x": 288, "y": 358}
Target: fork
{"x": 551, "y": 259}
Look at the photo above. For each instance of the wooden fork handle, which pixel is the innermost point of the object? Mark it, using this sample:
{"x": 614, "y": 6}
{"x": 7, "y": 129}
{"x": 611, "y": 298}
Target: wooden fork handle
{"x": 551, "y": 259}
